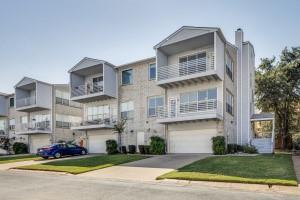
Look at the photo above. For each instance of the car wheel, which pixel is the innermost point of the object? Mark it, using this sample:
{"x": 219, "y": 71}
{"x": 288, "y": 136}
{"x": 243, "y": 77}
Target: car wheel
{"x": 45, "y": 157}
{"x": 83, "y": 152}
{"x": 57, "y": 155}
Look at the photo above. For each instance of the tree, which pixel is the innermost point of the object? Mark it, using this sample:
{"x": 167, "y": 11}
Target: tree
{"x": 119, "y": 128}
{"x": 278, "y": 89}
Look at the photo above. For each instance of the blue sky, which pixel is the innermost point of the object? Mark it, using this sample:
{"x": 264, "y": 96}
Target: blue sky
{"x": 43, "y": 39}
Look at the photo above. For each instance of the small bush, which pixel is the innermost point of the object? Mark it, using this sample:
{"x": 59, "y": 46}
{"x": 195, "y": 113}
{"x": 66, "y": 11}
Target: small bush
{"x": 219, "y": 145}
{"x": 232, "y": 148}
{"x": 157, "y": 145}
{"x": 20, "y": 148}
{"x": 111, "y": 147}
{"x": 240, "y": 148}
{"x": 147, "y": 149}
{"x": 141, "y": 149}
{"x": 132, "y": 149}
{"x": 124, "y": 149}
{"x": 250, "y": 149}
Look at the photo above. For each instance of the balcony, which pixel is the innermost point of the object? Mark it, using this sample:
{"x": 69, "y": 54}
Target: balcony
{"x": 199, "y": 110}
{"x": 33, "y": 95}
{"x": 34, "y": 128}
{"x": 101, "y": 123}
{"x": 201, "y": 69}
{"x": 93, "y": 80}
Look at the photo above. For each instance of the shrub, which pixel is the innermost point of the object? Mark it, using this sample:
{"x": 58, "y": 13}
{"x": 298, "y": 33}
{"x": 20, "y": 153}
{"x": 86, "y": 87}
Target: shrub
{"x": 141, "y": 149}
{"x": 296, "y": 141}
{"x": 147, "y": 149}
{"x": 219, "y": 145}
{"x": 111, "y": 147}
{"x": 132, "y": 149}
{"x": 124, "y": 149}
{"x": 19, "y": 148}
{"x": 249, "y": 149}
{"x": 240, "y": 148}
{"x": 157, "y": 145}
{"x": 232, "y": 148}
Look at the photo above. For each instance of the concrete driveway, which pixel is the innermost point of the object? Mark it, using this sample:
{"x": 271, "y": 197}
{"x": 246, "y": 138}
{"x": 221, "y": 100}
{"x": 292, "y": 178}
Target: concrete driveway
{"x": 147, "y": 169}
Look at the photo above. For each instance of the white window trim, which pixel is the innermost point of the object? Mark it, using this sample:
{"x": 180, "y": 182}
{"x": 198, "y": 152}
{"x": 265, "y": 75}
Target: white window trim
{"x": 148, "y": 105}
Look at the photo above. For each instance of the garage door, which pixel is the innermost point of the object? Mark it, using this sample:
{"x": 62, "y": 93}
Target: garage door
{"x": 38, "y": 141}
{"x": 97, "y": 142}
{"x": 191, "y": 141}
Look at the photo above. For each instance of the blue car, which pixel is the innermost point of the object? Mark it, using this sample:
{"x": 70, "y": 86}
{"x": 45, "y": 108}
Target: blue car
{"x": 61, "y": 149}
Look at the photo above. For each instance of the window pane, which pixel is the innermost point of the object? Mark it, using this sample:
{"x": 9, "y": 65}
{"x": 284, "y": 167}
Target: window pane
{"x": 193, "y": 96}
{"x": 152, "y": 112}
{"x": 127, "y": 77}
{"x": 152, "y": 103}
{"x": 12, "y": 102}
{"x": 152, "y": 71}
{"x": 184, "y": 98}
{"x": 159, "y": 101}
{"x": 202, "y": 95}
{"x": 212, "y": 93}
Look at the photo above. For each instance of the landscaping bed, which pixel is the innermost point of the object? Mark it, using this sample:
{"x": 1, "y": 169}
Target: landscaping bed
{"x": 17, "y": 158}
{"x": 81, "y": 165}
{"x": 260, "y": 169}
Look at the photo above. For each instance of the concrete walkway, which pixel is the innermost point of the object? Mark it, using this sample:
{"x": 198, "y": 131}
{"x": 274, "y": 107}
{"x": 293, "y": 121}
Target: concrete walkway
{"x": 147, "y": 169}
{"x": 8, "y": 166}
{"x": 296, "y": 160}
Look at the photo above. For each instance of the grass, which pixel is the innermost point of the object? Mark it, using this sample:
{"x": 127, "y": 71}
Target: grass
{"x": 261, "y": 169}
{"x": 17, "y": 158}
{"x": 78, "y": 166}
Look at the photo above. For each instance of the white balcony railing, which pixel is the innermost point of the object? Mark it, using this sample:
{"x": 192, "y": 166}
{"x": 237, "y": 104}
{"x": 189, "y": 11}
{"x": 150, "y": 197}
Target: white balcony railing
{"x": 86, "y": 89}
{"x": 110, "y": 121}
{"x": 199, "y": 65}
{"x": 35, "y": 126}
{"x": 27, "y": 101}
{"x": 197, "y": 108}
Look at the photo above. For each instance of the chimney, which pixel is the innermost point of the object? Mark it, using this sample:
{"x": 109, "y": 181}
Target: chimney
{"x": 239, "y": 38}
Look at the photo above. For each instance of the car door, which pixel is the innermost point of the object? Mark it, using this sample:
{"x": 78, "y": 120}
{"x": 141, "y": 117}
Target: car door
{"x": 63, "y": 149}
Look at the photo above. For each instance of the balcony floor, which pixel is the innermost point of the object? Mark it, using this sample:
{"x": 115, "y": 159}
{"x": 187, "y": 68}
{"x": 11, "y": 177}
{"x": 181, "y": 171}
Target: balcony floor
{"x": 32, "y": 132}
{"x": 187, "y": 118}
{"x": 92, "y": 127}
{"x": 91, "y": 97}
{"x": 31, "y": 108}
{"x": 189, "y": 79}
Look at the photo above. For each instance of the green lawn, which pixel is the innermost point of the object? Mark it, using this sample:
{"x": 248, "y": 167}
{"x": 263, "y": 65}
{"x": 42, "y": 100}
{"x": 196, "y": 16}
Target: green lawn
{"x": 16, "y": 158}
{"x": 77, "y": 166}
{"x": 261, "y": 169}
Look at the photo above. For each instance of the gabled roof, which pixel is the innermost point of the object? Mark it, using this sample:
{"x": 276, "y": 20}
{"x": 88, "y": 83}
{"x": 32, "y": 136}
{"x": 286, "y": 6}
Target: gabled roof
{"x": 137, "y": 61}
{"x": 3, "y": 94}
{"x": 187, "y": 32}
{"x": 26, "y": 80}
{"x": 262, "y": 116}
{"x": 88, "y": 62}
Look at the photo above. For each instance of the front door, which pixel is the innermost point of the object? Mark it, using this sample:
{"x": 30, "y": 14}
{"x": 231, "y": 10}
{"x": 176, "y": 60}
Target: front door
{"x": 172, "y": 107}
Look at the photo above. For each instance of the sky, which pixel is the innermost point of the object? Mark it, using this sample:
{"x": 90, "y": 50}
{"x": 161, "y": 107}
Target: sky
{"x": 44, "y": 39}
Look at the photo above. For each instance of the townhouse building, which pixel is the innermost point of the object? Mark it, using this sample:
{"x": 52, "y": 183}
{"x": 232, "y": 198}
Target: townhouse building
{"x": 197, "y": 86}
{"x": 43, "y": 113}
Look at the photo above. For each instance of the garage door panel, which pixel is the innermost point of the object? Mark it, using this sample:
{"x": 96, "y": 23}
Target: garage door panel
{"x": 192, "y": 141}
{"x": 97, "y": 143}
{"x": 38, "y": 141}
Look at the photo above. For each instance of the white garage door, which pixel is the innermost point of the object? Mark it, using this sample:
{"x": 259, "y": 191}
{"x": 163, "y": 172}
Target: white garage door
{"x": 38, "y": 141}
{"x": 191, "y": 141}
{"x": 97, "y": 142}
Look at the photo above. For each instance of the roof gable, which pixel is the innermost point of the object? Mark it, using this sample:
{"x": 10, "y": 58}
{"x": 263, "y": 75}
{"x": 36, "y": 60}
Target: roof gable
{"x": 25, "y": 81}
{"x": 88, "y": 62}
{"x": 184, "y": 33}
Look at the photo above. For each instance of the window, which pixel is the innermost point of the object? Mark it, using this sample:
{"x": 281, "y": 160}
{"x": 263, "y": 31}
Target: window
{"x": 127, "y": 110}
{"x": 24, "y": 119}
{"x": 192, "y": 64}
{"x": 198, "y": 101}
{"x": 12, "y": 124}
{"x": 41, "y": 121}
{"x": 229, "y": 102}
{"x": 62, "y": 97}
{"x": 65, "y": 121}
{"x": 11, "y": 102}
{"x": 127, "y": 77}
{"x": 98, "y": 113}
{"x": 155, "y": 106}
{"x": 152, "y": 71}
{"x": 229, "y": 67}
{"x": 98, "y": 84}
{"x": 2, "y": 125}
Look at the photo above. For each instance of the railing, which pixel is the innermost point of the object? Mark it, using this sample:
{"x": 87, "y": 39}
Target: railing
{"x": 100, "y": 121}
{"x": 27, "y": 101}
{"x": 36, "y": 126}
{"x": 190, "y": 109}
{"x": 199, "y": 65}
{"x": 87, "y": 89}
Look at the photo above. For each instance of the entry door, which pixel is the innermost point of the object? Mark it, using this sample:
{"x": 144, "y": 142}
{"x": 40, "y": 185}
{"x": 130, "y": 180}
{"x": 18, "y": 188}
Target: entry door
{"x": 172, "y": 107}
